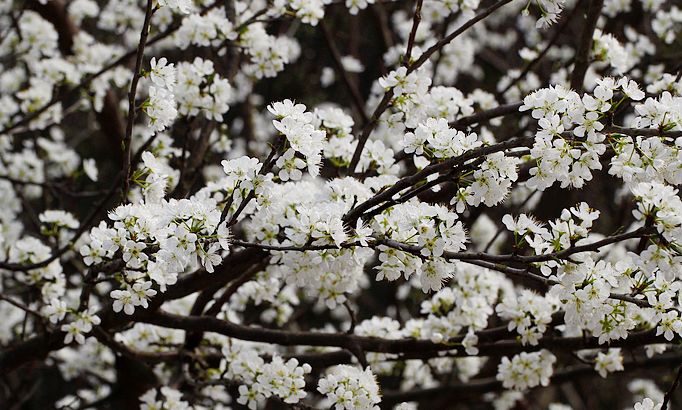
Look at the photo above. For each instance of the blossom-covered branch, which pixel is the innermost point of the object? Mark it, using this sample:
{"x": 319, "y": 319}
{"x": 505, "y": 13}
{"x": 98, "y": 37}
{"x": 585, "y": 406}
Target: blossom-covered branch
{"x": 349, "y": 204}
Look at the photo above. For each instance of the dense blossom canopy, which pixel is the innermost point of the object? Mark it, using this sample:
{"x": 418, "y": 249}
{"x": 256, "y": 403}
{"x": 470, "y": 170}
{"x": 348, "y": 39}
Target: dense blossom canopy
{"x": 348, "y": 204}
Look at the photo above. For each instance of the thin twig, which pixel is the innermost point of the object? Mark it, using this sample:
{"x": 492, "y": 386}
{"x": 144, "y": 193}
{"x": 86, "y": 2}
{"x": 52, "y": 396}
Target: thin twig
{"x": 356, "y": 97}
{"x": 413, "y": 33}
{"x": 671, "y": 390}
{"x": 464, "y": 27}
{"x": 559, "y": 30}
{"x": 21, "y": 306}
{"x": 127, "y": 146}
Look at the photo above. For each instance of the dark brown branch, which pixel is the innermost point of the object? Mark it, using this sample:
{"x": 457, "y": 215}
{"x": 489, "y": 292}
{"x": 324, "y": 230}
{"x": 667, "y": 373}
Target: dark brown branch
{"x": 21, "y": 306}
{"x": 352, "y": 216}
{"x": 413, "y": 33}
{"x": 645, "y": 132}
{"x": 499, "y": 111}
{"x": 351, "y": 86}
{"x": 671, "y": 390}
{"x": 374, "y": 344}
{"x": 564, "y": 254}
{"x": 192, "y": 165}
{"x": 585, "y": 46}
{"x": 367, "y": 130}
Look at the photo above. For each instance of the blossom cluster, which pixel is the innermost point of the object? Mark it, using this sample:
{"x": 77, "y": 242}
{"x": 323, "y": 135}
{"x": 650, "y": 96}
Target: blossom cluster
{"x": 160, "y": 107}
{"x": 348, "y": 387}
{"x": 284, "y": 379}
{"x": 157, "y": 241}
{"x": 570, "y": 141}
{"x": 526, "y": 370}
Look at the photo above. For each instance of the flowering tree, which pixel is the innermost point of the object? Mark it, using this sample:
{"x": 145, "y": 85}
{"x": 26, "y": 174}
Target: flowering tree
{"x": 352, "y": 204}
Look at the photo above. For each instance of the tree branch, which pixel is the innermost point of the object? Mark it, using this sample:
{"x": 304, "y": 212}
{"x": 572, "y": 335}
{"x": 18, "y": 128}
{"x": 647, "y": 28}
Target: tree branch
{"x": 127, "y": 145}
{"x": 583, "y": 52}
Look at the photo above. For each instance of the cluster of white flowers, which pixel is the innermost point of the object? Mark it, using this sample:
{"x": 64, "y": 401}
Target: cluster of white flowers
{"x": 76, "y": 329}
{"x": 35, "y": 37}
{"x": 201, "y": 90}
{"x": 310, "y": 11}
{"x": 526, "y": 370}
{"x": 378, "y": 154}
{"x": 160, "y": 107}
{"x": 434, "y": 229}
{"x": 183, "y": 6}
{"x": 662, "y": 113}
{"x": 212, "y": 28}
{"x": 608, "y": 49}
{"x": 662, "y": 204}
{"x": 646, "y": 159}
{"x": 406, "y": 85}
{"x": 550, "y": 10}
{"x": 157, "y": 241}
{"x": 647, "y": 404}
{"x": 90, "y": 58}
{"x": 49, "y": 280}
{"x": 348, "y": 387}
{"x": 563, "y": 232}
{"x": 165, "y": 398}
{"x": 341, "y": 142}
{"x": 261, "y": 380}
{"x": 666, "y": 24}
{"x": 611, "y": 361}
{"x": 416, "y": 101}
{"x": 266, "y": 290}
{"x": 269, "y": 54}
{"x": 466, "y": 304}
{"x": 569, "y": 142}
{"x": 584, "y": 292}
{"x": 529, "y": 314}
{"x": 490, "y": 182}
{"x": 294, "y": 123}
{"x": 305, "y": 213}
{"x": 144, "y": 337}
{"x": 435, "y": 138}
